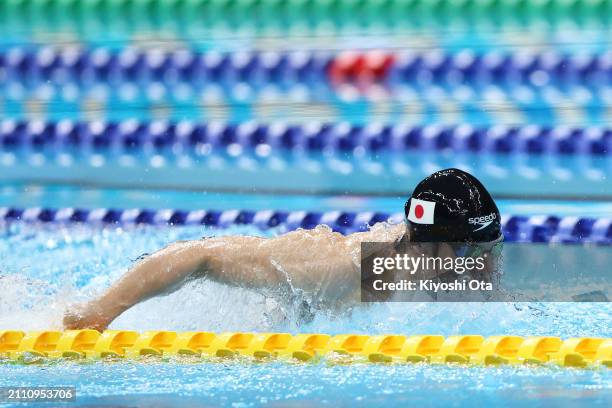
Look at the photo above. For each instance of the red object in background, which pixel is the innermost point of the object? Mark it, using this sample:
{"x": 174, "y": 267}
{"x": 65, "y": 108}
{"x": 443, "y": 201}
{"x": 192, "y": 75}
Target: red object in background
{"x": 360, "y": 69}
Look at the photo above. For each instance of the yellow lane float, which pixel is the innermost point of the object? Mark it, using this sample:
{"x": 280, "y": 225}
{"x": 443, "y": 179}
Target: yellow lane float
{"x": 36, "y": 346}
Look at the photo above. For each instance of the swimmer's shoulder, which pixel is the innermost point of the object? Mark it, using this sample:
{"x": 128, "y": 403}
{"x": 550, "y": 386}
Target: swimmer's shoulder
{"x": 321, "y": 234}
{"x": 380, "y": 232}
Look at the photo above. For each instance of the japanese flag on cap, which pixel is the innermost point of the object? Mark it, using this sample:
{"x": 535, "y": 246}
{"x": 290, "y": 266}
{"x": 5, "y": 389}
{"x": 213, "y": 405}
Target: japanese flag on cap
{"x": 421, "y": 211}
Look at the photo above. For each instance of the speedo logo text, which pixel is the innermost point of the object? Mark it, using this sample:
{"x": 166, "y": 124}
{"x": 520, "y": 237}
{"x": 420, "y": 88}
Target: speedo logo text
{"x": 483, "y": 222}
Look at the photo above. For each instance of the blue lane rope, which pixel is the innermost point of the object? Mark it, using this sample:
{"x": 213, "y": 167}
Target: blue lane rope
{"x": 100, "y": 66}
{"x": 517, "y": 228}
{"x": 131, "y": 135}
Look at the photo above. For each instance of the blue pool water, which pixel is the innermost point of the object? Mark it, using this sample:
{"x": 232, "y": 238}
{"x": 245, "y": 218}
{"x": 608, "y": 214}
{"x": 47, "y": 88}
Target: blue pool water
{"x": 54, "y": 196}
{"x": 394, "y": 174}
{"x": 45, "y": 267}
{"x": 60, "y": 147}
{"x": 243, "y": 385}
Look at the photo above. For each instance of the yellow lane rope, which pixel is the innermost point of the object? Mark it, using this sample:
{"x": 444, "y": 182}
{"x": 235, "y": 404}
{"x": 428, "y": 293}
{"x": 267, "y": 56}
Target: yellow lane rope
{"x": 19, "y": 346}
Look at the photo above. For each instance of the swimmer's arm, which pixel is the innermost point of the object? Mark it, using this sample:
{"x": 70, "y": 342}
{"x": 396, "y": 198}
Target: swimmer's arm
{"x": 230, "y": 260}
{"x": 239, "y": 261}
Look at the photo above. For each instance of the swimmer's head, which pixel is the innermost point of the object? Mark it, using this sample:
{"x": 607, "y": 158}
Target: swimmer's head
{"x": 452, "y": 206}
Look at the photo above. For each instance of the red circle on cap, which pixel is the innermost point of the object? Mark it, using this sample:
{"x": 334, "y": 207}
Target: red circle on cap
{"x": 419, "y": 211}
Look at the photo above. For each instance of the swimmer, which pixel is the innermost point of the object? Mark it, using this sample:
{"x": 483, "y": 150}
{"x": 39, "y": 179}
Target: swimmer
{"x": 448, "y": 206}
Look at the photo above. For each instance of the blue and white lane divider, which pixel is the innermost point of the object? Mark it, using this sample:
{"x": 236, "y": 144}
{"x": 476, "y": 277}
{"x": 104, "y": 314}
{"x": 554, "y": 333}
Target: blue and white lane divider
{"x": 525, "y": 229}
{"x": 70, "y": 65}
{"x": 130, "y": 134}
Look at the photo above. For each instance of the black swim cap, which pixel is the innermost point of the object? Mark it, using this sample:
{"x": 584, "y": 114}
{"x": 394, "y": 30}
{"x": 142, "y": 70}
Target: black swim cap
{"x": 452, "y": 206}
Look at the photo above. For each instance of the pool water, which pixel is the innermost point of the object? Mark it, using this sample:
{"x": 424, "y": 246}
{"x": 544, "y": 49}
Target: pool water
{"x": 46, "y": 267}
{"x": 306, "y": 105}
{"x": 302, "y": 385}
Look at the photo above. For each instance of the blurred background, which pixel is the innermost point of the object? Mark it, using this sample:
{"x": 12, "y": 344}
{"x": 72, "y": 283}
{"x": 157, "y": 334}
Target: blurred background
{"x": 304, "y": 97}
